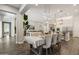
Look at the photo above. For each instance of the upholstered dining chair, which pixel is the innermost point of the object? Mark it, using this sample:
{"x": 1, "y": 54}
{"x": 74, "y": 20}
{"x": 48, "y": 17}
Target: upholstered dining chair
{"x": 56, "y": 40}
{"x": 48, "y": 42}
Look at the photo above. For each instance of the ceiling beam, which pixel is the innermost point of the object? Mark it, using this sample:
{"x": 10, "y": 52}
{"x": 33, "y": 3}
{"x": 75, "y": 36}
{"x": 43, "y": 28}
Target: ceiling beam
{"x": 25, "y": 7}
{"x": 22, "y": 7}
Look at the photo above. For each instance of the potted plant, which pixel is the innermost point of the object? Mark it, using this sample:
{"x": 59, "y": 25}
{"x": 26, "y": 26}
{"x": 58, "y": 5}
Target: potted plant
{"x": 25, "y": 24}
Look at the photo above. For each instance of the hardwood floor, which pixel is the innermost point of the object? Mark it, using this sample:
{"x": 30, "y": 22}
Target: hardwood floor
{"x": 8, "y": 47}
{"x": 71, "y": 47}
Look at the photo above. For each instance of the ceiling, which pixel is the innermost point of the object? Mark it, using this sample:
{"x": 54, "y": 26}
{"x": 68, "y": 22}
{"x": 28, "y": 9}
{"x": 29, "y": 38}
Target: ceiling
{"x": 48, "y": 12}
{"x": 15, "y": 5}
{"x": 55, "y": 6}
{"x": 58, "y": 9}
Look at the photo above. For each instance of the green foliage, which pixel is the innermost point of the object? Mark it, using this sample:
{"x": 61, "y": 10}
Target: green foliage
{"x": 25, "y": 17}
{"x": 25, "y": 23}
{"x": 28, "y": 26}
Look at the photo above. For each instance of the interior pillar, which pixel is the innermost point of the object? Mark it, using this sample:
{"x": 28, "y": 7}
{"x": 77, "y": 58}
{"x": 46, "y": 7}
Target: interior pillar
{"x": 19, "y": 28}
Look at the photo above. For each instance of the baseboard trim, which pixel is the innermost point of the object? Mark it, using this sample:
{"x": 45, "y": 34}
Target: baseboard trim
{"x": 19, "y": 42}
{"x": 0, "y": 37}
{"x": 75, "y": 37}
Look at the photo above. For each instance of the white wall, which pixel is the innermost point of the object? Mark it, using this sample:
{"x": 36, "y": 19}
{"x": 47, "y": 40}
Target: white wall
{"x": 35, "y": 17}
{"x": 19, "y": 22}
{"x": 36, "y": 14}
{"x": 65, "y": 22}
{"x": 7, "y": 19}
{"x": 10, "y": 19}
{"x": 0, "y": 29}
{"x": 11, "y": 10}
{"x": 8, "y": 8}
{"x": 42, "y": 13}
{"x": 76, "y": 26}
{"x": 1, "y": 17}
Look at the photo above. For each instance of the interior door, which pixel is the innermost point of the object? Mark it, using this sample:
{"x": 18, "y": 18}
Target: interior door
{"x": 6, "y": 29}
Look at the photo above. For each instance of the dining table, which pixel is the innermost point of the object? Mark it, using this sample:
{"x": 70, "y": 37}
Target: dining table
{"x": 36, "y": 42}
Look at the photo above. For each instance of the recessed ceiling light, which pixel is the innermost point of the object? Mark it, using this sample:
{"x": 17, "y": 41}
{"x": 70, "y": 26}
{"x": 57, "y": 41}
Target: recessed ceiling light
{"x": 74, "y": 4}
{"x": 36, "y": 4}
{"x": 59, "y": 10}
{"x": 76, "y": 10}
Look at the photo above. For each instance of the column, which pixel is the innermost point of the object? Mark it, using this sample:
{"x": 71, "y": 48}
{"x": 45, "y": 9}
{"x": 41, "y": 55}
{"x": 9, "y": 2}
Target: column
{"x": 19, "y": 28}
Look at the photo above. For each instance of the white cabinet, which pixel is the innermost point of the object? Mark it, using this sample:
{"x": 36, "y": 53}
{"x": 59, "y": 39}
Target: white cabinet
{"x": 76, "y": 28}
{"x": 67, "y": 36}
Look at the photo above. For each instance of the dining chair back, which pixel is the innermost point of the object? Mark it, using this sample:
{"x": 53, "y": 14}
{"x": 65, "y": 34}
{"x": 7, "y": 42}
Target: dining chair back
{"x": 48, "y": 41}
{"x": 54, "y": 39}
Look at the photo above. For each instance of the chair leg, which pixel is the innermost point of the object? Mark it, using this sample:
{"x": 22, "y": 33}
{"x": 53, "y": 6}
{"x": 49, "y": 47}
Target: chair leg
{"x": 54, "y": 49}
{"x": 50, "y": 51}
{"x": 59, "y": 47}
{"x": 40, "y": 50}
{"x": 46, "y": 51}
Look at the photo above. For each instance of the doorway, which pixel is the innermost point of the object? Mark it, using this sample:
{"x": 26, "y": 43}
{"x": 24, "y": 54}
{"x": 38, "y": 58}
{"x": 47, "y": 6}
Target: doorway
{"x": 6, "y": 29}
